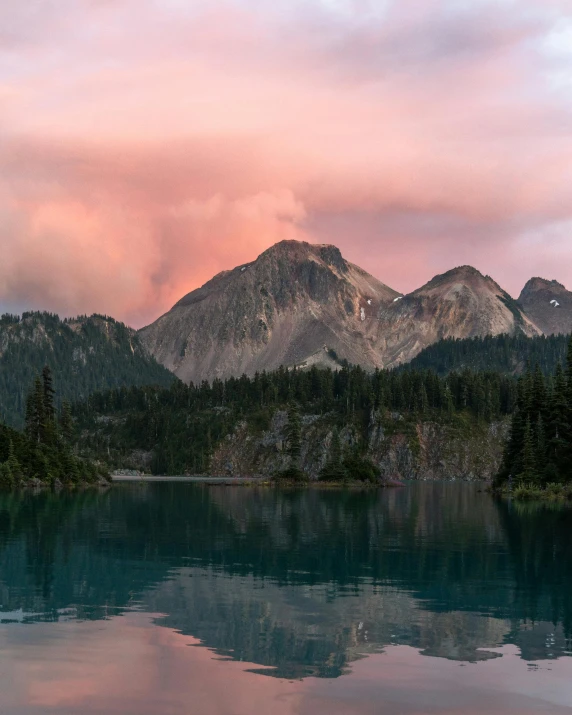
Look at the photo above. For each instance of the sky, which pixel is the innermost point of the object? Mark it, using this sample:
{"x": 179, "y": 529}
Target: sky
{"x": 146, "y": 145}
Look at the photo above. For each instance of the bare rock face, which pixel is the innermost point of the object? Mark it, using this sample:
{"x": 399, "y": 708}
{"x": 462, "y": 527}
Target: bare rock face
{"x": 461, "y": 303}
{"x": 427, "y": 451}
{"x": 303, "y": 304}
{"x": 548, "y": 304}
{"x": 296, "y": 304}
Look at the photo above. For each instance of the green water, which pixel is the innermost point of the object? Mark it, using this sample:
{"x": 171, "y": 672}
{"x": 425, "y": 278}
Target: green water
{"x": 181, "y": 598}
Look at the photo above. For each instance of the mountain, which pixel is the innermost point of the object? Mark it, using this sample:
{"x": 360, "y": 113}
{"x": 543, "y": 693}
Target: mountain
{"x": 548, "y": 304}
{"x": 304, "y": 304}
{"x": 297, "y": 303}
{"x": 85, "y": 354}
{"x": 461, "y": 303}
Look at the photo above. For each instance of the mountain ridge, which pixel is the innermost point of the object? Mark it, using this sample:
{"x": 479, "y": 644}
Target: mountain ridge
{"x": 301, "y": 304}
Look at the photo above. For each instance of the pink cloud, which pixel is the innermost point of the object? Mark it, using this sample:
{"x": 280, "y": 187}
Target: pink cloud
{"x": 147, "y": 146}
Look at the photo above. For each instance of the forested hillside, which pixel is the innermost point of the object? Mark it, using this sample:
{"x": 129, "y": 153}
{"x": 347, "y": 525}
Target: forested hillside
{"x": 539, "y": 451}
{"x": 181, "y": 428}
{"x": 508, "y": 354}
{"x": 43, "y": 454}
{"x": 85, "y": 354}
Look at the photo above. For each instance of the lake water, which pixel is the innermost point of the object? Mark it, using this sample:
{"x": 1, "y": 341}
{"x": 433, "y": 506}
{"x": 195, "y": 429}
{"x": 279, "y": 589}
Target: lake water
{"x": 159, "y": 599}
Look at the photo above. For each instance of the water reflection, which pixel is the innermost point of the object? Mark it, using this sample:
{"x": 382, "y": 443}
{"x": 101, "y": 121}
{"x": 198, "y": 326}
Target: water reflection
{"x": 126, "y": 666}
{"x": 297, "y": 583}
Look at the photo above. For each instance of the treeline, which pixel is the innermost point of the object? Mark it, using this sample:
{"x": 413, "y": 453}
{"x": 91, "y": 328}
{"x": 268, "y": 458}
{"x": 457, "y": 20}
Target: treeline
{"x": 539, "y": 451}
{"x": 85, "y": 354}
{"x": 508, "y": 354}
{"x": 44, "y": 450}
{"x": 182, "y": 425}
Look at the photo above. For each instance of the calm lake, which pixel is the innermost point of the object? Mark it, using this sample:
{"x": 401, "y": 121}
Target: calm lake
{"x": 159, "y": 599}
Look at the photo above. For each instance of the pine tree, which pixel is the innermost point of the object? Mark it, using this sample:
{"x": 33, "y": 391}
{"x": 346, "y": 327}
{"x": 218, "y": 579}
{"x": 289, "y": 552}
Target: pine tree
{"x": 538, "y": 394}
{"x": 294, "y": 434}
{"x": 334, "y": 470}
{"x": 448, "y": 404}
{"x": 6, "y": 477}
{"x": 294, "y": 444}
{"x": 66, "y": 423}
{"x": 566, "y": 459}
{"x": 569, "y": 371}
{"x": 35, "y": 416}
{"x": 49, "y": 392}
{"x": 50, "y": 427}
{"x": 14, "y": 464}
{"x": 540, "y": 455}
{"x": 528, "y": 473}
{"x": 557, "y": 422}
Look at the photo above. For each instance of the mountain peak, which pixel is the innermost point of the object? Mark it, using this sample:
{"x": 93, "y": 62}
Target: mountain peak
{"x": 302, "y": 250}
{"x": 466, "y": 276}
{"x": 294, "y": 302}
{"x": 537, "y": 284}
{"x": 548, "y": 304}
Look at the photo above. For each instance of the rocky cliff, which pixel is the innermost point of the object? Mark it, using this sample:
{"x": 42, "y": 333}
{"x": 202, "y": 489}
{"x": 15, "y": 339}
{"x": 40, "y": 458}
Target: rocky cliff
{"x": 304, "y": 304}
{"x": 400, "y": 447}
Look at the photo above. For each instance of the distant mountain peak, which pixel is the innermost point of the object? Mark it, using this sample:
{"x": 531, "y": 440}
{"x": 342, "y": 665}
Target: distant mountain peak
{"x": 466, "y": 276}
{"x": 537, "y": 283}
{"x": 548, "y": 304}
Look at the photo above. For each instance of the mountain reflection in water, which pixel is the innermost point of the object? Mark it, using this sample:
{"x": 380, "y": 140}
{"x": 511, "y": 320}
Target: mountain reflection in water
{"x": 301, "y": 582}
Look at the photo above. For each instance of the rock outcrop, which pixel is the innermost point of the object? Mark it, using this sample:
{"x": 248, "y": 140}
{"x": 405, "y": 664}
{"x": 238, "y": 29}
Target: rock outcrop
{"x": 399, "y": 447}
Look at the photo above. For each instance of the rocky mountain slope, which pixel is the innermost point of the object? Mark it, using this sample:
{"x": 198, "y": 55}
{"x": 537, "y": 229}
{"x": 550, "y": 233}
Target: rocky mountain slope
{"x": 296, "y": 304}
{"x": 461, "y": 303}
{"x": 548, "y": 304}
{"x": 304, "y": 304}
{"x": 85, "y": 354}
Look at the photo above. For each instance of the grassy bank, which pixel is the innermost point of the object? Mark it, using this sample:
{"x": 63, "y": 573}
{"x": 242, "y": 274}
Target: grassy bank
{"x": 530, "y": 492}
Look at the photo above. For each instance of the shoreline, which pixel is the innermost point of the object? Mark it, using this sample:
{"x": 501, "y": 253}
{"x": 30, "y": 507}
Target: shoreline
{"x": 252, "y": 481}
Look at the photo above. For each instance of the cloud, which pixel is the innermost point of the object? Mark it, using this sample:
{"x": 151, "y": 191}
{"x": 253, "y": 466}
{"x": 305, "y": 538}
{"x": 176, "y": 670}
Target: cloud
{"x": 147, "y": 145}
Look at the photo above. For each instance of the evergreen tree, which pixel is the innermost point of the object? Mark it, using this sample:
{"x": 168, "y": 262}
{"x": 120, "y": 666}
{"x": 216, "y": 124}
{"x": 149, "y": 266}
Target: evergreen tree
{"x": 528, "y": 473}
{"x": 569, "y": 371}
{"x": 49, "y": 392}
{"x": 540, "y": 446}
{"x": 66, "y": 423}
{"x": 13, "y": 464}
{"x": 448, "y": 404}
{"x": 38, "y": 453}
{"x": 333, "y": 469}
{"x": 294, "y": 443}
{"x": 6, "y": 477}
{"x": 540, "y": 454}
{"x": 35, "y": 416}
{"x": 294, "y": 434}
